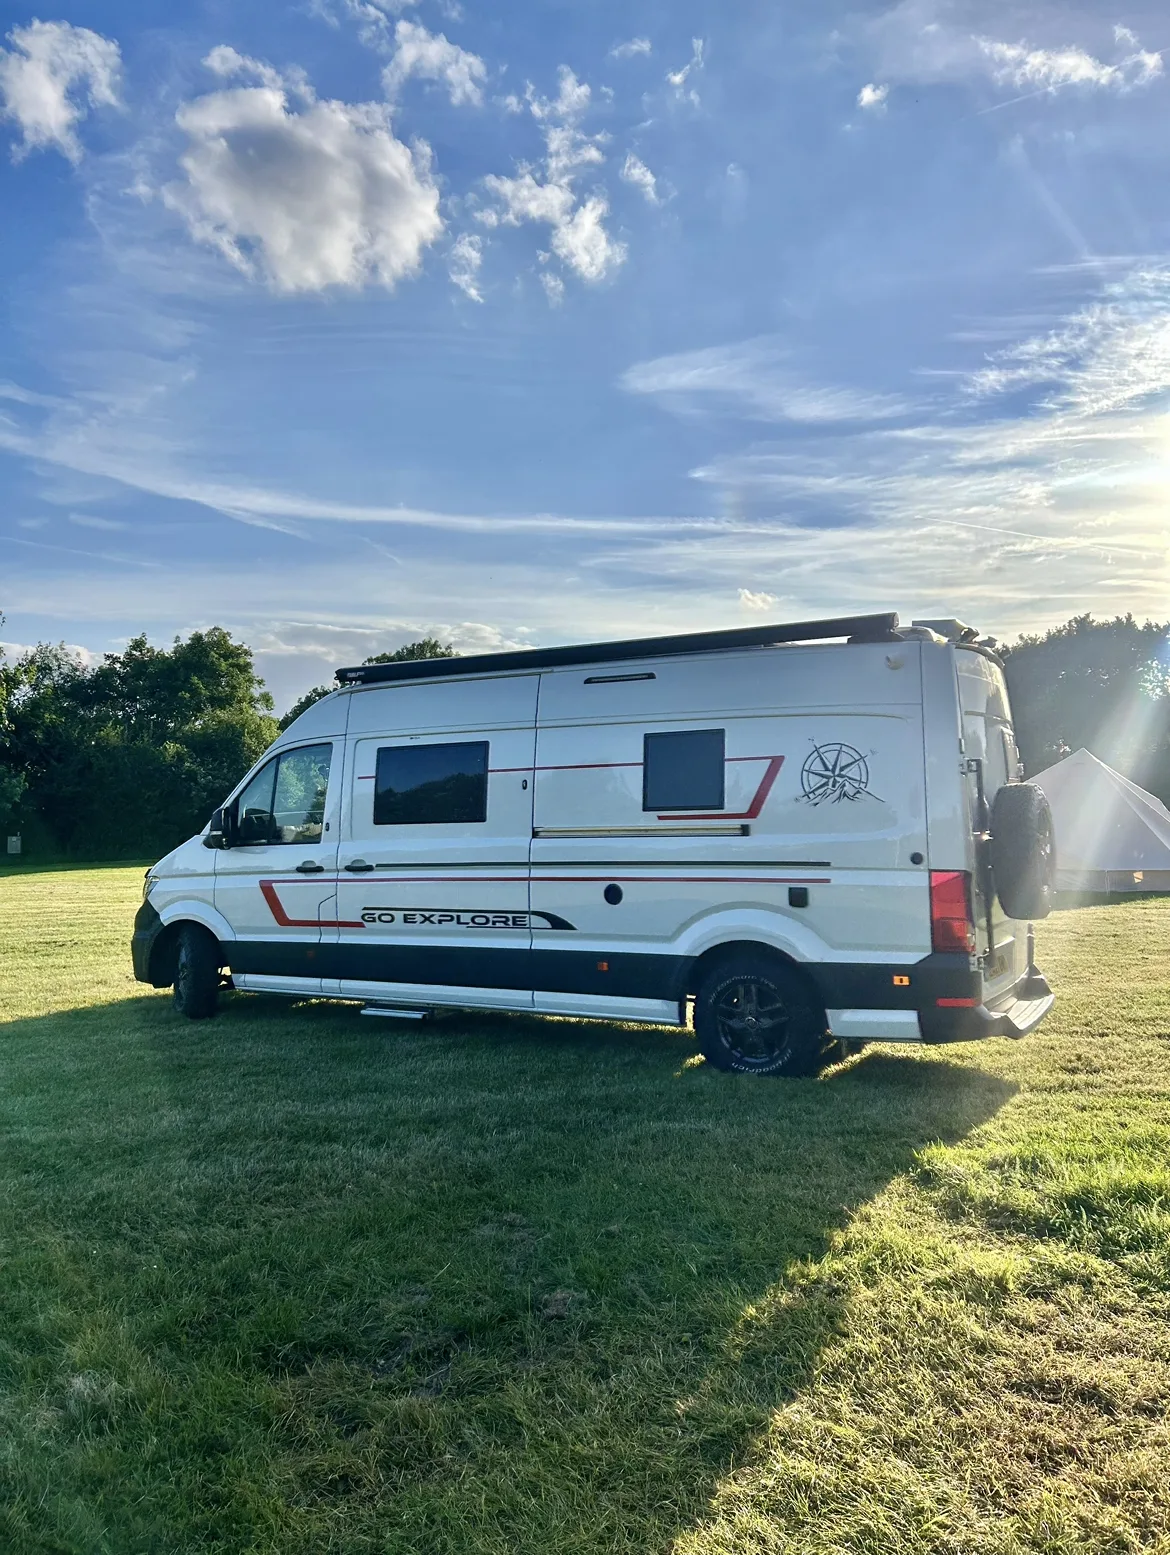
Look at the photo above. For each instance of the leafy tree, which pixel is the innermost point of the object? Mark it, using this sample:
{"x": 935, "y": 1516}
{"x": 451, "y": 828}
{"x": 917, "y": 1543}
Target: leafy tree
{"x": 425, "y": 648}
{"x": 12, "y": 780}
{"x": 128, "y": 758}
{"x": 1101, "y": 684}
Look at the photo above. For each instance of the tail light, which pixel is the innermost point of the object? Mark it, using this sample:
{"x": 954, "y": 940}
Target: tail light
{"x": 951, "y": 924}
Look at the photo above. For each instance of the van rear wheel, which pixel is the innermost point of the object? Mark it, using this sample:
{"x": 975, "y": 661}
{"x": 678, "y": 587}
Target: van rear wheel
{"x": 196, "y": 972}
{"x": 755, "y": 1016}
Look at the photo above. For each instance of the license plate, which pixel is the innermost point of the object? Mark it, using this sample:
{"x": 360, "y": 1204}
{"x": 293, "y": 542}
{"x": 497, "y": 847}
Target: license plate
{"x": 996, "y": 967}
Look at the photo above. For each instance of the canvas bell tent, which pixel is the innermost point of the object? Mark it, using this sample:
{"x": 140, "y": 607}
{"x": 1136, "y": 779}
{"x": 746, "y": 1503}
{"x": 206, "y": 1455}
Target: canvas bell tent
{"x": 1110, "y": 834}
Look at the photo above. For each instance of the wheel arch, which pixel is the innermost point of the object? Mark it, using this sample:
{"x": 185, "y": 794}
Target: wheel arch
{"x": 699, "y": 969}
{"x": 164, "y": 951}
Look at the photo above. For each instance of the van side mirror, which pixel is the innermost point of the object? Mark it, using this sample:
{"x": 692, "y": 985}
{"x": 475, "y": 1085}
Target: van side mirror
{"x": 219, "y": 832}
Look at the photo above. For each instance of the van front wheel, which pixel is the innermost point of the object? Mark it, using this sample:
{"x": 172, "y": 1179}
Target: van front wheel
{"x": 754, "y": 1016}
{"x": 196, "y": 972}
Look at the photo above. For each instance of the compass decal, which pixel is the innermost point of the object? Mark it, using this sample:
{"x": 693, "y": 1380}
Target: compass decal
{"x": 834, "y": 772}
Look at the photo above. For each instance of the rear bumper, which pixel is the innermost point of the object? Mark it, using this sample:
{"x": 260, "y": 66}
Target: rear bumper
{"x": 1017, "y": 1015}
{"x": 938, "y": 999}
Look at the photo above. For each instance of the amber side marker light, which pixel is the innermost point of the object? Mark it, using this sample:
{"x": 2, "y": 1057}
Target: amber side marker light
{"x": 901, "y": 981}
{"x": 952, "y": 927}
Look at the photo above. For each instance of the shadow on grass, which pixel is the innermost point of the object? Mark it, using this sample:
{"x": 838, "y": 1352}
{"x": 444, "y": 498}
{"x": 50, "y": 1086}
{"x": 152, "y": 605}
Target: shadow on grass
{"x": 486, "y": 1277}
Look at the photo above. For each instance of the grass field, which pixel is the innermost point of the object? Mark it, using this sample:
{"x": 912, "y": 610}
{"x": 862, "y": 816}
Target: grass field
{"x": 294, "y": 1281}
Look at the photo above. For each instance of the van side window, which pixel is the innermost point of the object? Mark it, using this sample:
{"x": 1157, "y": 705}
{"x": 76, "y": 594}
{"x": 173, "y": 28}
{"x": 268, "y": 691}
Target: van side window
{"x": 418, "y": 785}
{"x": 683, "y": 770}
{"x": 285, "y": 801}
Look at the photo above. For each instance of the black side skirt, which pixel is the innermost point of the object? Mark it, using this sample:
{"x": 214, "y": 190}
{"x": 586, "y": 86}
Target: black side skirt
{"x": 622, "y": 975}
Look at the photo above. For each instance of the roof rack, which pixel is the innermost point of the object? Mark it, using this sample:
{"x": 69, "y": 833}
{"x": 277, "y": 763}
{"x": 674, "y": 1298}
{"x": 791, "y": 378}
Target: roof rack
{"x": 872, "y": 628}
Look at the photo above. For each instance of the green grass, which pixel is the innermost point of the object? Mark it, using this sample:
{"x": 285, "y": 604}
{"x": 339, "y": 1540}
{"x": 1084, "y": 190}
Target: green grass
{"x": 294, "y": 1281}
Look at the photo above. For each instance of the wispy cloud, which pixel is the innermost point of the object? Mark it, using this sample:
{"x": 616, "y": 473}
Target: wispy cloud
{"x": 1075, "y": 475}
{"x": 95, "y": 521}
{"x": 464, "y": 262}
{"x": 630, "y": 49}
{"x": 635, "y": 171}
{"x": 682, "y": 80}
{"x": 873, "y": 97}
{"x": 1017, "y": 65}
{"x": 923, "y": 41}
{"x": 756, "y": 380}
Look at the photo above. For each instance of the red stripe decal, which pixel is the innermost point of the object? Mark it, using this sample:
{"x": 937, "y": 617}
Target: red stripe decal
{"x": 758, "y": 798}
{"x": 276, "y": 908}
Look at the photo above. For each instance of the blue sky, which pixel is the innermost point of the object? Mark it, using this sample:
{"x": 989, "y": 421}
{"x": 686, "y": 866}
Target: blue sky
{"x": 345, "y": 321}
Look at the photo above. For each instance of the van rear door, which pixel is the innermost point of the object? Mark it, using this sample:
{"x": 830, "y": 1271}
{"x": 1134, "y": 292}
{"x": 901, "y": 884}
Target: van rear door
{"x": 992, "y": 760}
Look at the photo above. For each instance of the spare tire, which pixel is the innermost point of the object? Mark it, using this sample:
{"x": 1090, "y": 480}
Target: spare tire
{"x": 1023, "y": 854}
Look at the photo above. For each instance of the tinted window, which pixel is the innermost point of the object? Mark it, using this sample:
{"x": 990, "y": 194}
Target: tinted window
{"x": 418, "y": 785}
{"x": 683, "y": 771}
{"x": 285, "y": 801}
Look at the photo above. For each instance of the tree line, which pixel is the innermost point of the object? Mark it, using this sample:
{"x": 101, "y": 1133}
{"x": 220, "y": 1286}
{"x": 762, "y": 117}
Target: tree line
{"x": 125, "y": 758}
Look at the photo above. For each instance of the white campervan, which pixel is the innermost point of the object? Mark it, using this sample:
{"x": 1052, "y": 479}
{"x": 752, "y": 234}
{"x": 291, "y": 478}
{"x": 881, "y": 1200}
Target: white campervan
{"x": 812, "y": 841}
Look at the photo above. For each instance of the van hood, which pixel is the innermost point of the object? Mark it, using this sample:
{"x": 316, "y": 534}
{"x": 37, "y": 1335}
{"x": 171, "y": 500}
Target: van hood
{"x": 189, "y": 858}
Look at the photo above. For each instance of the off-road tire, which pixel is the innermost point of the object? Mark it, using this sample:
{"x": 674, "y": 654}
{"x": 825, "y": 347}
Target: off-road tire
{"x": 196, "y": 972}
{"x": 790, "y": 1036}
{"x": 1023, "y": 853}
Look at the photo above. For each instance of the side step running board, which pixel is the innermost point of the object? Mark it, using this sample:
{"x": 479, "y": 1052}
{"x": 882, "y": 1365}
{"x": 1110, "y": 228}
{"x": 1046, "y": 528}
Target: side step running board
{"x": 394, "y": 1013}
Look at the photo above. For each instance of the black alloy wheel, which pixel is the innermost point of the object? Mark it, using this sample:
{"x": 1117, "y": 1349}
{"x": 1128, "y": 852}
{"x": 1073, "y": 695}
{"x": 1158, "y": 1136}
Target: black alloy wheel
{"x": 755, "y": 1016}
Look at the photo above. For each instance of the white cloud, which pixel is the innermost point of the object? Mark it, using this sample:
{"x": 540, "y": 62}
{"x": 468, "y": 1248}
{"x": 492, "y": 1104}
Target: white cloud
{"x": 1016, "y": 65}
{"x": 547, "y": 193}
{"x": 751, "y": 600}
{"x": 753, "y": 379}
{"x": 583, "y": 243}
{"x": 86, "y": 657}
{"x": 432, "y": 57}
{"x": 326, "y": 196}
{"x": 372, "y": 17}
{"x": 571, "y": 102}
{"x": 630, "y": 49}
{"x": 678, "y": 78}
{"x": 635, "y": 172}
{"x": 873, "y": 97}
{"x": 916, "y": 40}
{"x": 53, "y": 74}
{"x": 554, "y": 288}
{"x": 463, "y": 265}
{"x": 228, "y": 62}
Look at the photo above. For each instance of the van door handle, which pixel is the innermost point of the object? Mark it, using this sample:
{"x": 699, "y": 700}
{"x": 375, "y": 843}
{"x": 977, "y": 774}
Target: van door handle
{"x": 358, "y": 866}
{"x": 309, "y": 868}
